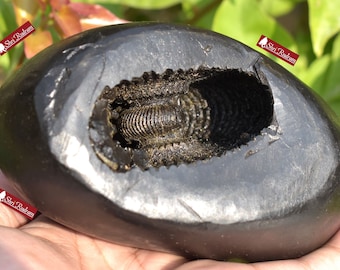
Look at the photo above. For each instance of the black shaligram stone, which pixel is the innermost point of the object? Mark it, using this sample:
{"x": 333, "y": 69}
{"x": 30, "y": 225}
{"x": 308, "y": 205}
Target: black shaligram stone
{"x": 174, "y": 139}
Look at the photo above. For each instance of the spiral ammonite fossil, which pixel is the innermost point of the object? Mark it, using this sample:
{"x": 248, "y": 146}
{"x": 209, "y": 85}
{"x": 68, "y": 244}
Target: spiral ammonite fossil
{"x": 179, "y": 116}
{"x": 140, "y": 135}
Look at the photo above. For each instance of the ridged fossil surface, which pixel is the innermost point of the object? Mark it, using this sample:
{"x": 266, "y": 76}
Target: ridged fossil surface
{"x": 179, "y": 116}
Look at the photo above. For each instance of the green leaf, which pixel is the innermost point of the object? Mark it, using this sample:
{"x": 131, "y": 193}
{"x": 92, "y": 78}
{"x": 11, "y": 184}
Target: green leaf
{"x": 333, "y": 79}
{"x": 332, "y": 84}
{"x": 334, "y": 102}
{"x": 323, "y": 76}
{"x": 7, "y": 19}
{"x": 245, "y": 21}
{"x": 199, "y": 13}
{"x": 324, "y": 22}
{"x": 141, "y": 4}
{"x": 7, "y": 25}
{"x": 4, "y": 66}
{"x": 278, "y": 7}
{"x": 316, "y": 74}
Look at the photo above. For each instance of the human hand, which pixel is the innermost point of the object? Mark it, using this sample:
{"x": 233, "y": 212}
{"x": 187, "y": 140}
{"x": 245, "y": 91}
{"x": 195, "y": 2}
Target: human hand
{"x": 44, "y": 244}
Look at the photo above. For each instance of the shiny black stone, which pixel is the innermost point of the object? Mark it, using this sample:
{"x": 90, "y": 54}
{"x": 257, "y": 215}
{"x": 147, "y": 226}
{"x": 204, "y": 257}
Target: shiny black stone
{"x": 274, "y": 197}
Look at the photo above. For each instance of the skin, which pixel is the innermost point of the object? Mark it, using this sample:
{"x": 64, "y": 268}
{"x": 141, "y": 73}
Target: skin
{"x": 44, "y": 244}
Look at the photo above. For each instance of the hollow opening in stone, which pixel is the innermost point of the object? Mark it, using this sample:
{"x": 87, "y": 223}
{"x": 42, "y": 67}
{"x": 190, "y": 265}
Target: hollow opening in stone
{"x": 240, "y": 107}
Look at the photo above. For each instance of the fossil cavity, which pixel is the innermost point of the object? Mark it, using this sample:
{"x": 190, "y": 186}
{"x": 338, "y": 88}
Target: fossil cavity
{"x": 178, "y": 117}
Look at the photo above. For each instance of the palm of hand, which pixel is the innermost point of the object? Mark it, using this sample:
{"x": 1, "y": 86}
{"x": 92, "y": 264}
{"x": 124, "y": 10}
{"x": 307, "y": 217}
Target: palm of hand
{"x": 44, "y": 244}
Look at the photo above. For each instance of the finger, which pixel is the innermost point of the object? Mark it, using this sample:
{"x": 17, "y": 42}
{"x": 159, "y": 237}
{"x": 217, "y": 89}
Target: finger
{"x": 214, "y": 265}
{"x": 8, "y": 216}
{"x": 326, "y": 257}
{"x": 98, "y": 254}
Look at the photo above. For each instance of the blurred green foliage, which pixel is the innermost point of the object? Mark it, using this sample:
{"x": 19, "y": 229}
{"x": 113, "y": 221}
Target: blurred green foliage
{"x": 308, "y": 27}
{"x": 8, "y": 61}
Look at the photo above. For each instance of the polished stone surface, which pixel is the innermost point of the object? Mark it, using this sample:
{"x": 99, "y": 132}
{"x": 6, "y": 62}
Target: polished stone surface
{"x": 276, "y": 197}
